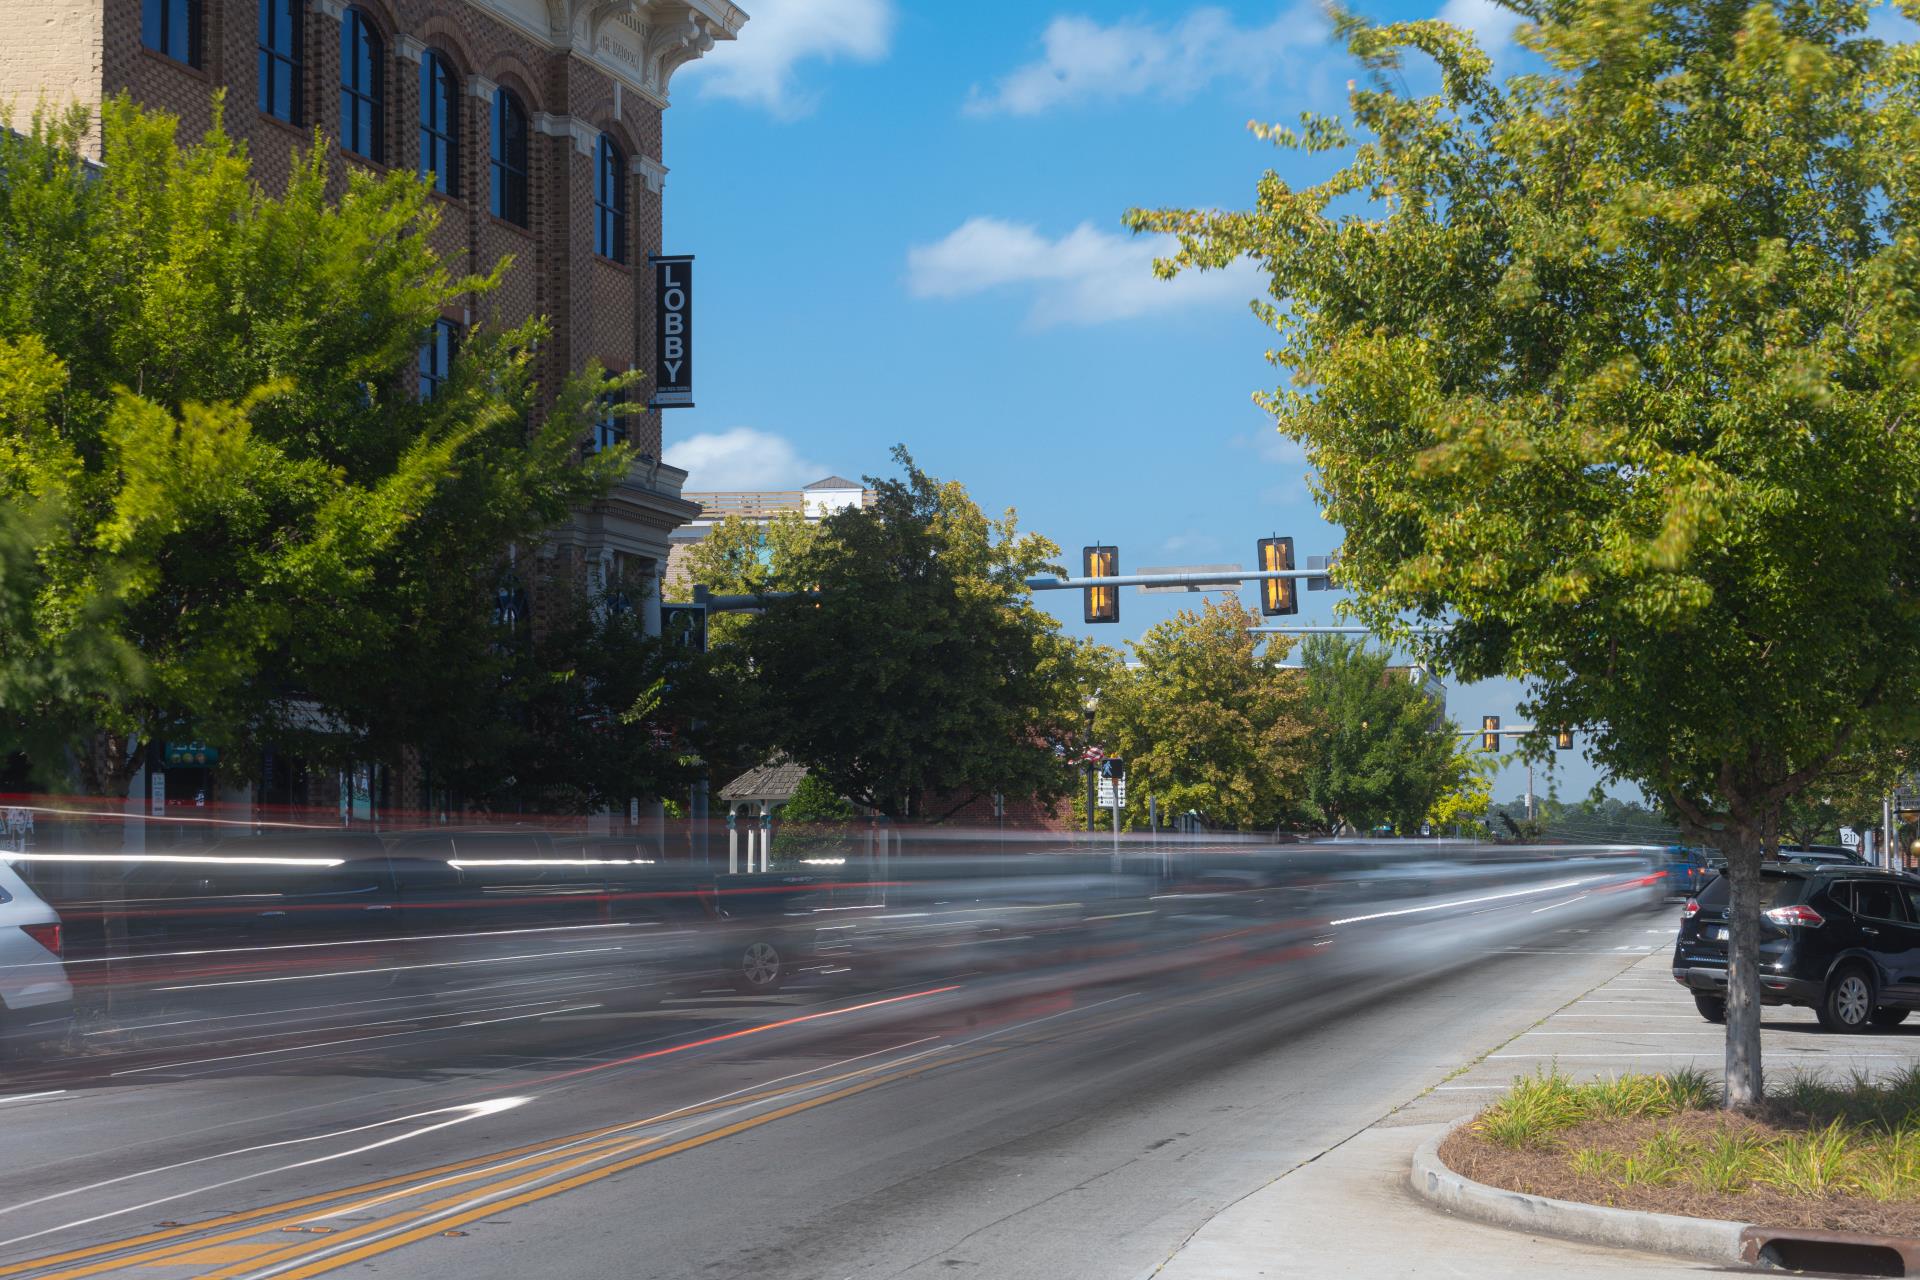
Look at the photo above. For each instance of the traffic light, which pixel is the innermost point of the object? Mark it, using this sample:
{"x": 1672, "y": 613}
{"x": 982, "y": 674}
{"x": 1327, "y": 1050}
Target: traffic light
{"x": 1102, "y": 603}
{"x": 1113, "y": 768}
{"x": 1489, "y": 733}
{"x": 1277, "y": 596}
{"x": 1563, "y": 739}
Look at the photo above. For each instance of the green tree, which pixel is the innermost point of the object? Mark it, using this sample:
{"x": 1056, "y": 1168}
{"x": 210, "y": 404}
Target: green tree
{"x": 1380, "y": 752}
{"x": 223, "y": 498}
{"x": 922, "y": 674}
{"x": 1461, "y": 809}
{"x": 1611, "y": 367}
{"x": 588, "y": 712}
{"x": 1209, "y": 720}
{"x": 740, "y": 556}
{"x": 814, "y": 801}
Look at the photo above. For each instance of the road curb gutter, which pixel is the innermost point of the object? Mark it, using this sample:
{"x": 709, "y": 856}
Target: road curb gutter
{"x": 1708, "y": 1239}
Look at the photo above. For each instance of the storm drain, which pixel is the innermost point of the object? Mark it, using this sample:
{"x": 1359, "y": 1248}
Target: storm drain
{"x": 1832, "y": 1253}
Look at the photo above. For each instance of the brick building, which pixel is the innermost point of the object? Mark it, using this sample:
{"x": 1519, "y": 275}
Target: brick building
{"x": 539, "y": 122}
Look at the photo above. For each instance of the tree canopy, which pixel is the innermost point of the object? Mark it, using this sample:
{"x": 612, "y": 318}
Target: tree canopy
{"x": 1380, "y": 752}
{"x": 1612, "y": 367}
{"x": 922, "y": 675}
{"x": 228, "y": 511}
{"x": 1208, "y": 720}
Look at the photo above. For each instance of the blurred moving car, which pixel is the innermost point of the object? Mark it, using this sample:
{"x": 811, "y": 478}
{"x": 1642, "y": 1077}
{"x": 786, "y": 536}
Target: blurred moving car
{"x": 36, "y": 1000}
{"x": 1843, "y": 941}
{"x": 1687, "y": 871}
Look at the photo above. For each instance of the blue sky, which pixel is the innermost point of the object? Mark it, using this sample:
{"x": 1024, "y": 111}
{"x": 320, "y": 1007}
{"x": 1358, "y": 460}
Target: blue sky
{"x": 906, "y": 218}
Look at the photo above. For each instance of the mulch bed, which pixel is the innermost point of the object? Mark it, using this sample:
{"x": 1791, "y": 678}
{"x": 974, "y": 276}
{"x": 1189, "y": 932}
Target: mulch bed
{"x": 1547, "y": 1171}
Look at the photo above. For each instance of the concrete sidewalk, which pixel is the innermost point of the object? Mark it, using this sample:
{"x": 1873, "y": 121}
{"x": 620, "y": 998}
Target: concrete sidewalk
{"x": 1351, "y": 1212}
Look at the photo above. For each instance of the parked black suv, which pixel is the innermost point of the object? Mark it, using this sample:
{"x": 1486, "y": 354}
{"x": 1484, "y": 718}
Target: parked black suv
{"x": 1843, "y": 941}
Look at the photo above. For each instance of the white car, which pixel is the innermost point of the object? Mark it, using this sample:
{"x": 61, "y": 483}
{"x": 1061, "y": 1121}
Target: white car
{"x": 36, "y": 1000}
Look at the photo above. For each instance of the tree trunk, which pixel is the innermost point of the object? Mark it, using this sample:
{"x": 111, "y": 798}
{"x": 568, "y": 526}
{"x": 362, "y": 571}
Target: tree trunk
{"x": 1744, "y": 1081}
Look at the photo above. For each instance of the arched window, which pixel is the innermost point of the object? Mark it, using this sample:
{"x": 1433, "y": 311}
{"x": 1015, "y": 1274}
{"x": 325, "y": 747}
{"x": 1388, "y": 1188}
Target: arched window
{"x": 172, "y": 27}
{"x": 610, "y": 202}
{"x": 509, "y": 158}
{"x": 363, "y": 100}
{"x": 439, "y": 124}
{"x": 280, "y": 46}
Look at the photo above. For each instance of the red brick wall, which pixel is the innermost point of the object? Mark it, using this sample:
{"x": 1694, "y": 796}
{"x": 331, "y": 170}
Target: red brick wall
{"x": 597, "y": 309}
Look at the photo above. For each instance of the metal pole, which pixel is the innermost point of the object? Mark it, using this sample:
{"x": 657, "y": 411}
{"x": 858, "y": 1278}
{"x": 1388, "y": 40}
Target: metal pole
{"x": 1529, "y": 791}
{"x": 1886, "y": 827}
{"x": 733, "y": 843}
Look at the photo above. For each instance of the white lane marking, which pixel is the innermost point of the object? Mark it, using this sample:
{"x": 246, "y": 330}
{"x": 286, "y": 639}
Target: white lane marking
{"x": 1551, "y": 905}
{"x": 364, "y": 942}
{"x": 272, "y": 1020}
{"x": 398, "y": 968}
{"x": 486, "y": 1197}
{"x": 22, "y": 1097}
{"x": 1717, "y": 1032}
{"x": 460, "y": 1115}
{"x": 330, "y": 1044}
{"x": 240, "y": 1035}
{"x": 1467, "y": 902}
{"x": 632, "y": 1126}
{"x": 1624, "y": 1015}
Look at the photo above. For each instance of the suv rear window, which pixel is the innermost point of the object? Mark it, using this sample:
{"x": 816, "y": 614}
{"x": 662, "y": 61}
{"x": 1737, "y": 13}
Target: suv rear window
{"x": 1777, "y": 889}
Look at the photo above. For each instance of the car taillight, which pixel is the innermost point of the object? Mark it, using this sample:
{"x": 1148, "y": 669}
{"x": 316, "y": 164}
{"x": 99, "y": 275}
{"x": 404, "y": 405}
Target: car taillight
{"x": 47, "y": 935}
{"x": 1795, "y": 917}
{"x": 1691, "y": 910}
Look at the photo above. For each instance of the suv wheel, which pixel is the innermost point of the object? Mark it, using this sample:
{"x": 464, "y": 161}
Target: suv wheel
{"x": 759, "y": 970}
{"x": 1712, "y": 1008}
{"x": 1848, "y": 1003}
{"x": 1887, "y": 1019}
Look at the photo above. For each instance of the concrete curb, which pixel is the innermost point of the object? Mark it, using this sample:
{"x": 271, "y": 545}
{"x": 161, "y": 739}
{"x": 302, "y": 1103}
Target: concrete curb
{"x": 1708, "y": 1239}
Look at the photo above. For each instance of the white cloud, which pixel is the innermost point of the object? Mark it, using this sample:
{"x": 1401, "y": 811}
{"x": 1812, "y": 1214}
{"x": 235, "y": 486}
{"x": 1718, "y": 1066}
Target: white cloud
{"x": 758, "y": 67}
{"x": 742, "y": 458}
{"x": 1082, "y": 59}
{"x": 1492, "y": 23}
{"x": 1274, "y": 447}
{"x": 1084, "y": 277}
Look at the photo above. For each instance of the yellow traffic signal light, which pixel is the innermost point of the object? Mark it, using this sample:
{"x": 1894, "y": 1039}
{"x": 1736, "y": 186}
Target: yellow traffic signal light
{"x": 1102, "y": 604}
{"x": 1489, "y": 733}
{"x": 1277, "y": 596}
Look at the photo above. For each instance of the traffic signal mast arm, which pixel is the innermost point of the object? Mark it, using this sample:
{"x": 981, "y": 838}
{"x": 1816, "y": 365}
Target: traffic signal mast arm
{"x": 1212, "y": 577}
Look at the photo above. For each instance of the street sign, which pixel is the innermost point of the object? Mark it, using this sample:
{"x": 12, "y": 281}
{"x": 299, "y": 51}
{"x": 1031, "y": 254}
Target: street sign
{"x": 1849, "y": 837}
{"x": 1230, "y": 584}
{"x": 1113, "y": 793}
{"x": 189, "y": 753}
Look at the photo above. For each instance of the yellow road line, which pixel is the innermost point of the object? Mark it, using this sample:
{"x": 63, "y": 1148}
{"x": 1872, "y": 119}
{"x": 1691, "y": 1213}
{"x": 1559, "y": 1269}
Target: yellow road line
{"x": 250, "y": 1221}
{"x": 376, "y": 1248}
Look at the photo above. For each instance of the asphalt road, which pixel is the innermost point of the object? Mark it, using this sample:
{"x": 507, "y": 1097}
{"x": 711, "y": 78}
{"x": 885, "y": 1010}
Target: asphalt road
{"x": 1078, "y": 1122}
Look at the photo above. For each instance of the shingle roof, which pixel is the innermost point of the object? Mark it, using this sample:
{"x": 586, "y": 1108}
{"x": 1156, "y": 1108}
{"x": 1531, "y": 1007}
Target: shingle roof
{"x": 775, "y": 782}
{"x": 835, "y": 482}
